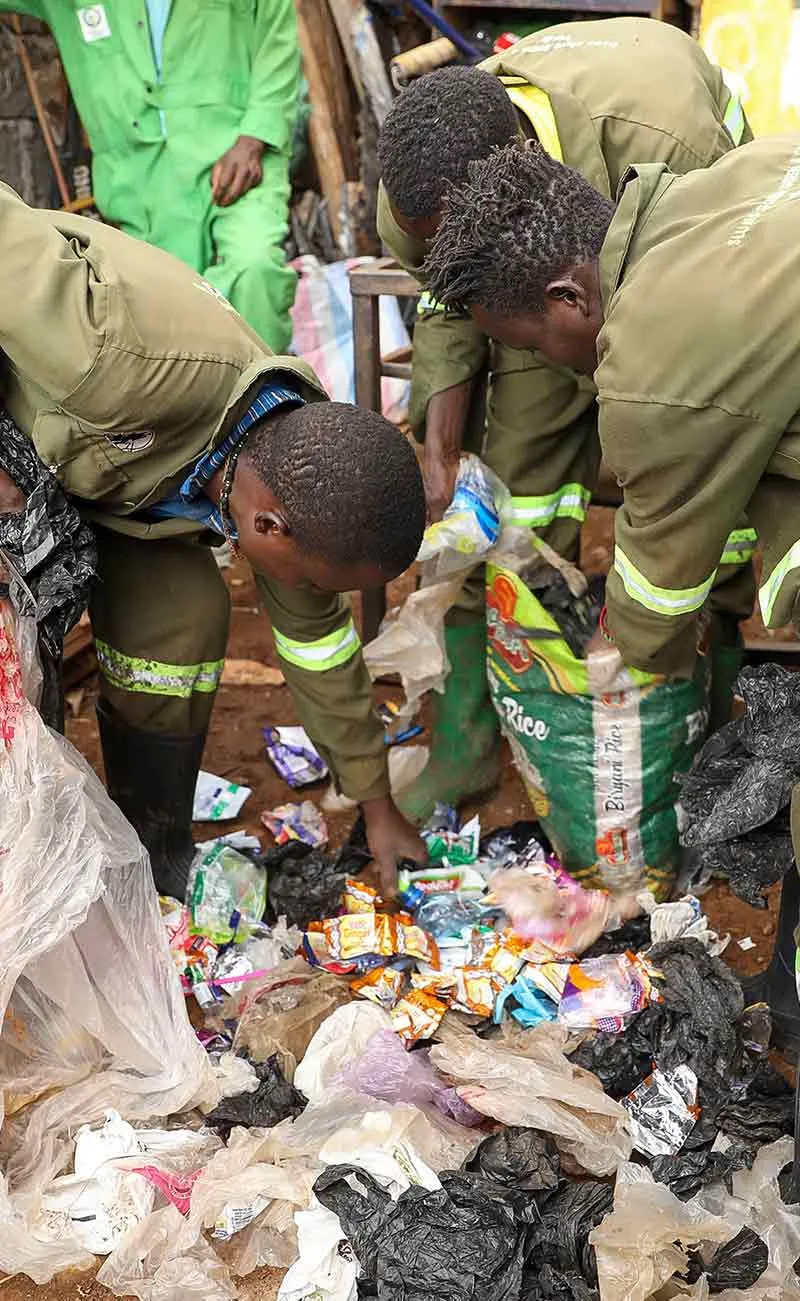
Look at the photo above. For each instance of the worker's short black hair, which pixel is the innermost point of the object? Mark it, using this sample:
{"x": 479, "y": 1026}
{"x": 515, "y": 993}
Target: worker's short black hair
{"x": 519, "y": 221}
{"x": 348, "y": 481}
{"x": 435, "y": 128}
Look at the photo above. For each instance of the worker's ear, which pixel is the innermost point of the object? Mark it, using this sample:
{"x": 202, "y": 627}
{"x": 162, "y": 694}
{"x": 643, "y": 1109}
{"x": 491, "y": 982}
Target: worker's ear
{"x": 271, "y": 522}
{"x": 567, "y": 292}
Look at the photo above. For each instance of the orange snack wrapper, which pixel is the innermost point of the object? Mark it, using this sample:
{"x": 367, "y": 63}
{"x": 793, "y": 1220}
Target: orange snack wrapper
{"x": 476, "y": 990}
{"x": 413, "y": 942}
{"x": 359, "y": 897}
{"x": 417, "y": 1016}
{"x": 383, "y": 986}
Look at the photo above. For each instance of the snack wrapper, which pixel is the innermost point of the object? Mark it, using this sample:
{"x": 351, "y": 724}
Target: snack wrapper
{"x": 226, "y": 893}
{"x": 663, "y": 1111}
{"x": 417, "y": 1016}
{"x": 292, "y": 754}
{"x": 533, "y": 1006}
{"x": 359, "y": 897}
{"x": 384, "y": 986}
{"x": 476, "y": 990}
{"x": 302, "y": 822}
{"x": 604, "y": 993}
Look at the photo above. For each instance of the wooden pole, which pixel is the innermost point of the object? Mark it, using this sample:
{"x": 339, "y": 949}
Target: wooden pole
{"x": 41, "y": 112}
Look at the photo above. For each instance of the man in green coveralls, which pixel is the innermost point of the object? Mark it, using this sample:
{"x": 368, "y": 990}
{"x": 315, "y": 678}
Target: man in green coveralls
{"x": 169, "y": 424}
{"x": 682, "y": 301}
{"x": 189, "y": 107}
{"x": 597, "y": 96}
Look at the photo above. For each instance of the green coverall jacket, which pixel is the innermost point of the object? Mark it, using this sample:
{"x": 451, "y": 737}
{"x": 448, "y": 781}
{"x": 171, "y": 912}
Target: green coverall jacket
{"x": 156, "y": 128}
{"x": 124, "y": 367}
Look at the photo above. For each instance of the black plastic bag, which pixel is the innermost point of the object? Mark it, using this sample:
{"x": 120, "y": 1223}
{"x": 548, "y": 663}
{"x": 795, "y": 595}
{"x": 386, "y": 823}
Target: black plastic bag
{"x": 274, "y": 1100}
{"x": 737, "y": 792}
{"x": 561, "y": 1236}
{"x": 696, "y": 1164}
{"x": 577, "y": 616}
{"x": 52, "y": 557}
{"x": 548, "y": 1284}
{"x": 634, "y": 935}
{"x": 306, "y": 884}
{"x": 460, "y": 1241}
{"x": 515, "y": 1157}
{"x": 738, "y": 1263}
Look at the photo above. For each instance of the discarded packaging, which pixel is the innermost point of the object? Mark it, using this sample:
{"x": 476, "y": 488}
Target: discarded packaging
{"x": 217, "y": 800}
{"x": 293, "y": 756}
{"x": 302, "y": 822}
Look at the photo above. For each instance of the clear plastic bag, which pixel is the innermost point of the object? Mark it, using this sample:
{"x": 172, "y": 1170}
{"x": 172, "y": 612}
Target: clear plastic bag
{"x": 91, "y": 1008}
{"x": 471, "y": 525}
{"x": 548, "y": 1094}
{"x": 285, "y": 1013}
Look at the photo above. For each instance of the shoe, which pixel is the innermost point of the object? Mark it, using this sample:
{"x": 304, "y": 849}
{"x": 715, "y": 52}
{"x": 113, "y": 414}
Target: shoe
{"x": 777, "y": 986}
{"x": 465, "y": 734}
{"x": 151, "y": 777}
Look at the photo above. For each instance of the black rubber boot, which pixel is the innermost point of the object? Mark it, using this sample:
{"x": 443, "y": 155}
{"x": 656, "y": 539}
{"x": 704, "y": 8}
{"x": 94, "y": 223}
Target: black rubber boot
{"x": 777, "y": 986}
{"x": 151, "y": 777}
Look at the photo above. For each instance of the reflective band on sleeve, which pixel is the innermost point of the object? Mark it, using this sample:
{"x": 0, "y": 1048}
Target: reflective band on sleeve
{"x": 769, "y": 591}
{"x": 733, "y": 121}
{"x": 154, "y": 678}
{"x": 571, "y": 501}
{"x": 426, "y": 304}
{"x": 661, "y": 600}
{"x": 739, "y": 547}
{"x": 318, "y": 656}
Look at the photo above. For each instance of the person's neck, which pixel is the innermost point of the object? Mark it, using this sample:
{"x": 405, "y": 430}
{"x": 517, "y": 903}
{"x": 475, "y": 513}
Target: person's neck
{"x": 213, "y": 488}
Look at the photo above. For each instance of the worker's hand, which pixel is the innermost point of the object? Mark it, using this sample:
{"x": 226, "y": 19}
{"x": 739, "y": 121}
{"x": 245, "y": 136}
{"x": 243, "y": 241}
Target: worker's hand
{"x": 237, "y": 171}
{"x": 445, "y": 420}
{"x": 12, "y": 499}
{"x": 391, "y": 838}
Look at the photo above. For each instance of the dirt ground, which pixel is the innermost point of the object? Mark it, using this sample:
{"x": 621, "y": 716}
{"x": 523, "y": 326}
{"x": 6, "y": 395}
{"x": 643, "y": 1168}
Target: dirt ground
{"x": 235, "y": 750}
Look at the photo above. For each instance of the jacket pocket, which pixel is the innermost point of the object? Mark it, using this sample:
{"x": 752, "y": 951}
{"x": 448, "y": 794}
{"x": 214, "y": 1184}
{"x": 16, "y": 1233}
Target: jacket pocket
{"x": 85, "y": 460}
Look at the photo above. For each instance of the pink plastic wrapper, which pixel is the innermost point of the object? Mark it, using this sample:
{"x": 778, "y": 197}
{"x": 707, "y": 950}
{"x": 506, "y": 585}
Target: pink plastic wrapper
{"x": 176, "y": 1188}
{"x": 545, "y": 903}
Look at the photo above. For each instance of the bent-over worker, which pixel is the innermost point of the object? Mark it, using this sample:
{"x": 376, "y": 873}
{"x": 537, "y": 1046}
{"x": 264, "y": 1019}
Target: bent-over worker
{"x": 170, "y": 425}
{"x": 598, "y": 96}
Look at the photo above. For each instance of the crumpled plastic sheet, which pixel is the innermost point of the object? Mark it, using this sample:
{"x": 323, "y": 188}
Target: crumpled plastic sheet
{"x": 91, "y": 1008}
{"x": 306, "y": 884}
{"x": 459, "y": 1241}
{"x": 385, "y": 1070}
{"x": 707, "y": 1156}
{"x": 735, "y": 796}
{"x": 339, "y": 1043}
{"x": 51, "y": 555}
{"x": 736, "y": 1264}
{"x": 285, "y": 1012}
{"x": 577, "y": 616}
{"x": 544, "y": 1092}
{"x": 273, "y": 1100}
{"x": 559, "y": 1237}
{"x": 519, "y": 1158}
{"x": 158, "y": 1262}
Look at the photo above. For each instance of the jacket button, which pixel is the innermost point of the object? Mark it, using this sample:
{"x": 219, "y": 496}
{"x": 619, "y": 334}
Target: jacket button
{"x": 135, "y": 124}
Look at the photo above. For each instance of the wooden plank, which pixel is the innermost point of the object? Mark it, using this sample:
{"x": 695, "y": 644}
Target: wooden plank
{"x": 342, "y": 14}
{"x": 332, "y": 126}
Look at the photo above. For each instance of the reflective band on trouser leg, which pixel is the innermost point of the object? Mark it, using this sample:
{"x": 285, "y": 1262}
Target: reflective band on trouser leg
{"x": 318, "y": 656}
{"x": 739, "y": 547}
{"x": 661, "y": 600}
{"x": 426, "y": 304}
{"x": 769, "y": 591}
{"x": 154, "y": 678}
{"x": 733, "y": 121}
{"x": 571, "y": 501}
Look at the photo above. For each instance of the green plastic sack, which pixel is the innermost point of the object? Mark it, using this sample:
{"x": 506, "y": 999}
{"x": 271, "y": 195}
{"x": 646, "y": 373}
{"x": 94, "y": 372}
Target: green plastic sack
{"x": 599, "y": 767}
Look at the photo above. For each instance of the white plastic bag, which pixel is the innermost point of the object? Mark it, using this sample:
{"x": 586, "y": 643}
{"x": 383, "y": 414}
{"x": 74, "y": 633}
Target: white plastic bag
{"x": 91, "y": 1009}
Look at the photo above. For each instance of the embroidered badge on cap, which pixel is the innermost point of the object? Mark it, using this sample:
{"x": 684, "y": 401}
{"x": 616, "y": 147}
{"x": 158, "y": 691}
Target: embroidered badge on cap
{"x": 94, "y": 22}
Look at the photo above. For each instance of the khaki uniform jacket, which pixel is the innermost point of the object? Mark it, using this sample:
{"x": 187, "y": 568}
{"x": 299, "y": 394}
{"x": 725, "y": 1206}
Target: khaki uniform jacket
{"x": 123, "y": 366}
{"x": 699, "y": 390}
{"x": 621, "y": 90}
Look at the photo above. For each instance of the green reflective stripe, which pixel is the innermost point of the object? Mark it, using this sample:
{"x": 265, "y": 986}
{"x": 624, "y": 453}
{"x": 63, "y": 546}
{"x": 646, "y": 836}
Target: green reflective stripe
{"x": 426, "y": 304}
{"x": 739, "y": 547}
{"x": 733, "y": 121}
{"x": 571, "y": 501}
{"x": 768, "y": 592}
{"x": 155, "y": 678}
{"x": 325, "y": 653}
{"x": 661, "y": 600}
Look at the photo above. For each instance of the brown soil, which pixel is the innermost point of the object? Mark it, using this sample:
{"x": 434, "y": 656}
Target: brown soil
{"x": 235, "y": 750}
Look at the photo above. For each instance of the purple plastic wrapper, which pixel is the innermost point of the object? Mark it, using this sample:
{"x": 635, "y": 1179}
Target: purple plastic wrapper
{"x": 387, "y": 1071}
{"x": 293, "y": 756}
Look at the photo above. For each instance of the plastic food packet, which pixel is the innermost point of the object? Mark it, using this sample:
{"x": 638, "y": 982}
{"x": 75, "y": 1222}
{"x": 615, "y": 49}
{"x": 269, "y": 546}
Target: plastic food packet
{"x": 383, "y": 986}
{"x": 454, "y": 848}
{"x": 504, "y": 956}
{"x": 663, "y": 1111}
{"x": 438, "y": 880}
{"x": 302, "y": 822}
{"x": 476, "y": 990}
{"x": 292, "y": 754}
{"x": 604, "y": 993}
{"x": 417, "y": 1016}
{"x": 226, "y": 893}
{"x": 534, "y": 1006}
{"x": 359, "y": 897}
{"x": 544, "y": 902}
{"x": 471, "y": 524}
{"x": 217, "y": 800}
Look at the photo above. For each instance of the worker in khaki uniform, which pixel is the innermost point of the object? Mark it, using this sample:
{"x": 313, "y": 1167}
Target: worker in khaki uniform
{"x": 683, "y": 302}
{"x": 189, "y": 106}
{"x": 597, "y": 96}
{"x": 169, "y": 423}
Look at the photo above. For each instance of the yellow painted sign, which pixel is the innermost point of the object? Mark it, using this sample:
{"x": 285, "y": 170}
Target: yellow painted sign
{"x": 756, "y": 43}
